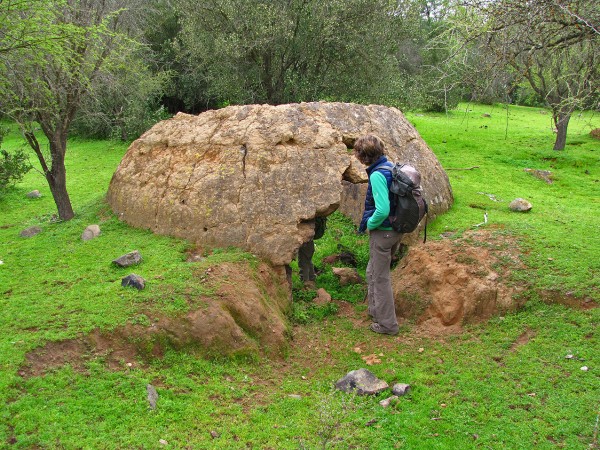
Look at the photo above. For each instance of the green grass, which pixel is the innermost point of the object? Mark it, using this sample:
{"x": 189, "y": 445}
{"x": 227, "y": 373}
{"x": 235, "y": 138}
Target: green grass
{"x": 480, "y": 389}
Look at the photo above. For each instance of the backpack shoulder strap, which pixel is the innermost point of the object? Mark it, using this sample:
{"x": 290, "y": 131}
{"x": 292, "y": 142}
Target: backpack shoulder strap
{"x": 384, "y": 166}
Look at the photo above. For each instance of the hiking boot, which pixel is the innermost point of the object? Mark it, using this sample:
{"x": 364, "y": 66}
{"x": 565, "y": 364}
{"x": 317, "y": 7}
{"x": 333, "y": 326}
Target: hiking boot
{"x": 379, "y": 329}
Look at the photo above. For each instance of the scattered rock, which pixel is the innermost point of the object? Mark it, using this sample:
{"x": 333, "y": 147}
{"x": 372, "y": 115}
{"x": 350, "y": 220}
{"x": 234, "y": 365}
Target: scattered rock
{"x": 401, "y": 389}
{"x": 520, "y": 205}
{"x": 347, "y": 275}
{"x": 152, "y": 395}
{"x": 322, "y": 297}
{"x": 134, "y": 281}
{"x": 163, "y": 442}
{"x": 361, "y": 381}
{"x": 91, "y": 232}
{"x": 295, "y": 396}
{"x": 486, "y": 115}
{"x": 214, "y": 434}
{"x": 386, "y": 402}
{"x": 544, "y": 175}
{"x": 331, "y": 259}
{"x": 30, "y": 232}
{"x": 128, "y": 259}
{"x": 584, "y": 368}
{"x": 34, "y": 194}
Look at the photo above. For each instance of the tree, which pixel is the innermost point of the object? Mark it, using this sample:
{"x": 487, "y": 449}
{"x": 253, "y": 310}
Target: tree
{"x": 279, "y": 51}
{"x": 21, "y": 28}
{"x": 553, "y": 45}
{"x": 427, "y": 81}
{"x": 44, "y": 86}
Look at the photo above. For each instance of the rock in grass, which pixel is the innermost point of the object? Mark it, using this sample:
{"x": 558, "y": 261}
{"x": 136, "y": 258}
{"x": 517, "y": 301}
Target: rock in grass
{"x": 401, "y": 389}
{"x": 361, "y": 381}
{"x": 128, "y": 259}
{"x": 134, "y": 281}
{"x": 152, "y": 395}
{"x": 30, "y": 232}
{"x": 90, "y": 233}
{"x": 347, "y": 275}
{"x": 323, "y": 297}
{"x": 388, "y": 401}
{"x": 544, "y": 175}
{"x": 520, "y": 205}
{"x": 34, "y": 194}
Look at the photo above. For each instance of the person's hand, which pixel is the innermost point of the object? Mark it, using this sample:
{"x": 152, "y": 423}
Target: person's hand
{"x": 362, "y": 228}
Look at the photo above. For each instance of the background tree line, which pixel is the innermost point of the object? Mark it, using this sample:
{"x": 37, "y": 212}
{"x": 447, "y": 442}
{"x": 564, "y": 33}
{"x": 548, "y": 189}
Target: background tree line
{"x": 112, "y": 68}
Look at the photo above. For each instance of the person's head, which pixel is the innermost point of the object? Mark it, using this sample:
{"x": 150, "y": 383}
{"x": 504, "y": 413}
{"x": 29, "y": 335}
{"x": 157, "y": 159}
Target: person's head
{"x": 368, "y": 149}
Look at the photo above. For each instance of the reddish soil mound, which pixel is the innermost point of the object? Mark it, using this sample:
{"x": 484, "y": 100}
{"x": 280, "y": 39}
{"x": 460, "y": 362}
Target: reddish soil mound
{"x": 452, "y": 282}
{"x": 245, "y": 316}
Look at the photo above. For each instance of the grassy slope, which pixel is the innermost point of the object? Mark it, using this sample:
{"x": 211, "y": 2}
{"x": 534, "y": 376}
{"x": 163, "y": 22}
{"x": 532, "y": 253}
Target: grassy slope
{"x": 484, "y": 391}
{"x": 562, "y": 228}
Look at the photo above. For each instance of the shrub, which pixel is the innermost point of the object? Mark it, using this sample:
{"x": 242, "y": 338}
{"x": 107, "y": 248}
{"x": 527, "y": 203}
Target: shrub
{"x": 12, "y": 168}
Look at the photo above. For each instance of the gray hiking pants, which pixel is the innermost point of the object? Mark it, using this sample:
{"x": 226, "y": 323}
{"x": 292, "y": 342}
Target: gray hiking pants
{"x": 382, "y": 245}
{"x": 305, "y": 264}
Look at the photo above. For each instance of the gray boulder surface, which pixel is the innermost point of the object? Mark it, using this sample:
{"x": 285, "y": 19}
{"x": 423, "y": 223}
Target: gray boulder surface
{"x": 128, "y": 259}
{"x": 361, "y": 381}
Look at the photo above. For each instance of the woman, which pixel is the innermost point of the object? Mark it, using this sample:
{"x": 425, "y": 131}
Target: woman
{"x": 383, "y": 240}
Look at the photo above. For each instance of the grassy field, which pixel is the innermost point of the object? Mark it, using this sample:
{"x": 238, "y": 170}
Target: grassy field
{"x": 505, "y": 384}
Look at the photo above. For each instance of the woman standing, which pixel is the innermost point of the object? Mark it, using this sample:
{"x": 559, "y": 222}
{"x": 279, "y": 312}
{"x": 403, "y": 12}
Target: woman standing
{"x": 383, "y": 240}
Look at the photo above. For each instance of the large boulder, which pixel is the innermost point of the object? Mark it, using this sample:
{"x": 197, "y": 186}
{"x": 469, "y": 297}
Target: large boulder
{"x": 255, "y": 176}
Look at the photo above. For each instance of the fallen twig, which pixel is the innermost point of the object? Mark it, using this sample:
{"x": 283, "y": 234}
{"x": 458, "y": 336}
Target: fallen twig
{"x": 462, "y": 168}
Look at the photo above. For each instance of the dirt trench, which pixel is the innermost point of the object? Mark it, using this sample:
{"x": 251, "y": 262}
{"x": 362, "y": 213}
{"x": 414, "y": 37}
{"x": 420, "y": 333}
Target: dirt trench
{"x": 438, "y": 287}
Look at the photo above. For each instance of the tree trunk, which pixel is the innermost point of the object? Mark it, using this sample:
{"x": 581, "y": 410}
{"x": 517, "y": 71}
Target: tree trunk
{"x": 57, "y": 179}
{"x": 561, "y": 121}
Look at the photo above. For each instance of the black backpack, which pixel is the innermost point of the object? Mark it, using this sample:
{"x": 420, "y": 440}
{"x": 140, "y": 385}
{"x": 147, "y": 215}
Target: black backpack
{"x": 408, "y": 205}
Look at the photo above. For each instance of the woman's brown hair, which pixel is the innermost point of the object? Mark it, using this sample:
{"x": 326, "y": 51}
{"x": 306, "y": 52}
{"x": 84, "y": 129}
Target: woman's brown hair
{"x": 368, "y": 149}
